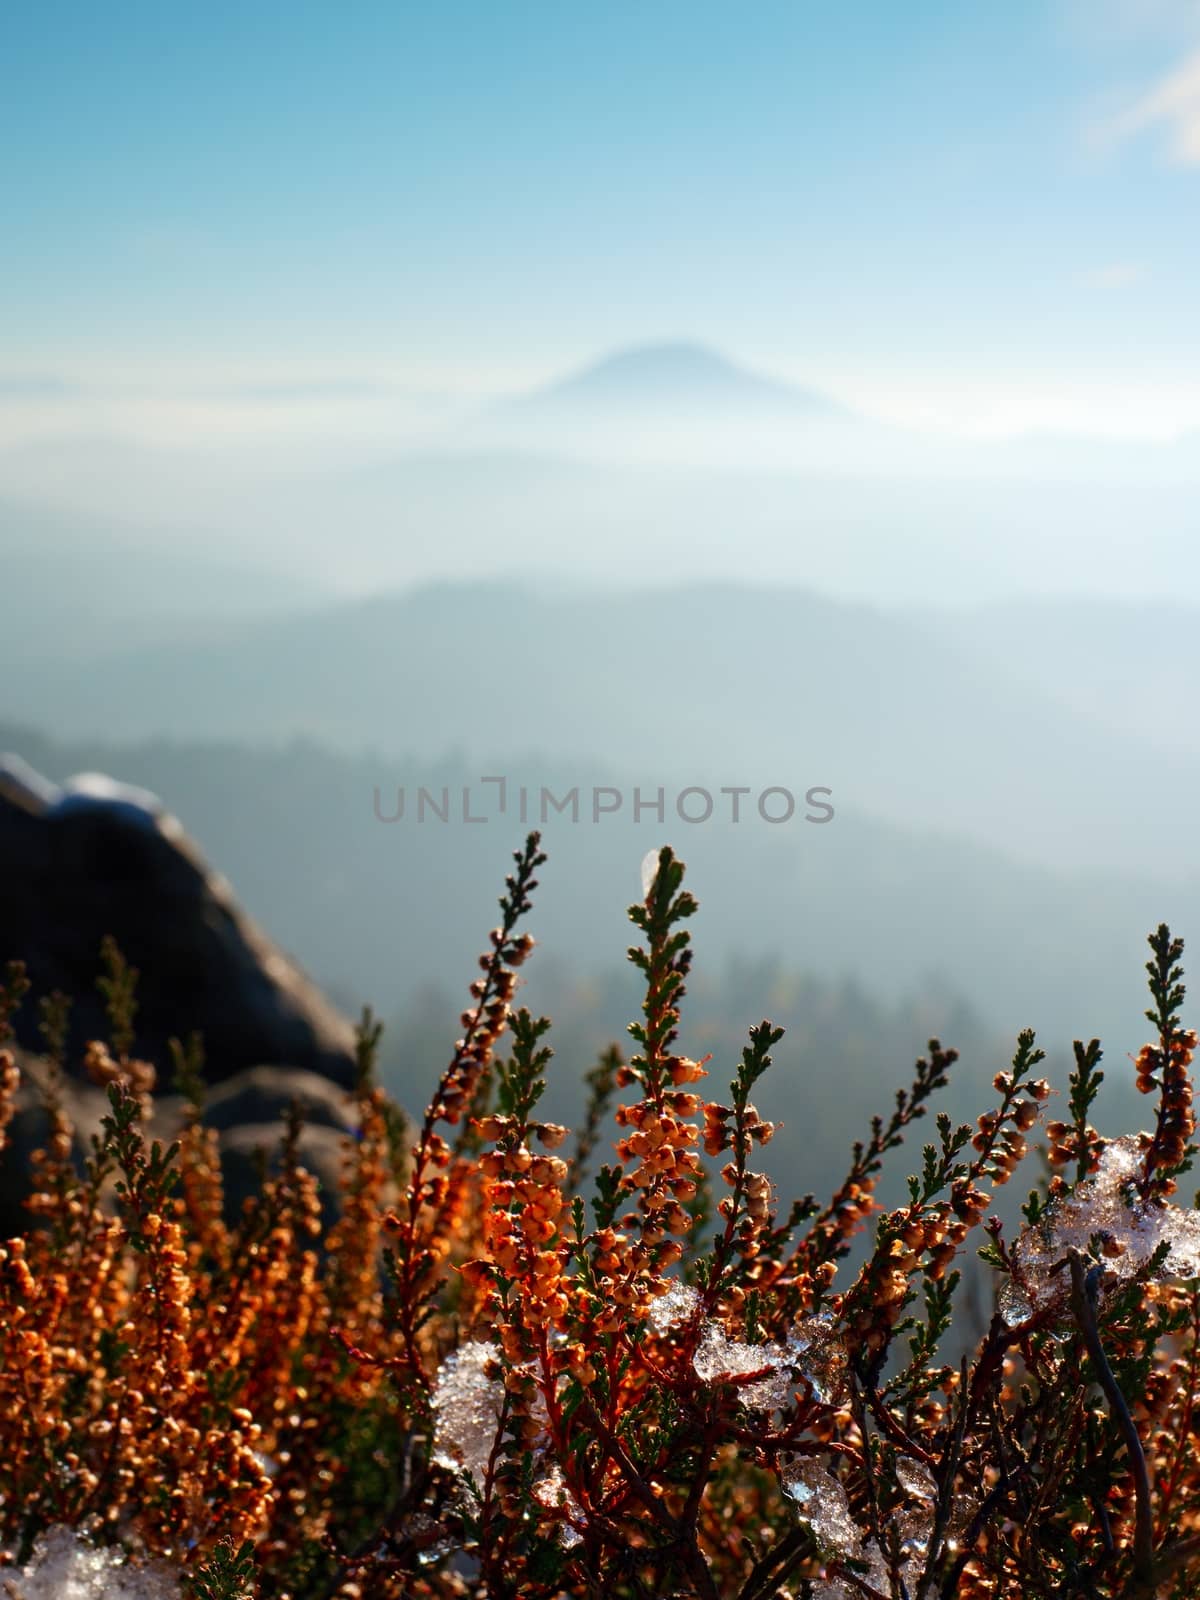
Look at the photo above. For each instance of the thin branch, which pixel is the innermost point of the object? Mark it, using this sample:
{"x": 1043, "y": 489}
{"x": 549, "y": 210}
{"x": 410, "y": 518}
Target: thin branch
{"x": 1084, "y": 1282}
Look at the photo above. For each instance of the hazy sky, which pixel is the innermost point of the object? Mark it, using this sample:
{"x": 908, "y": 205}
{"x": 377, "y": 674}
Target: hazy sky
{"x": 962, "y": 213}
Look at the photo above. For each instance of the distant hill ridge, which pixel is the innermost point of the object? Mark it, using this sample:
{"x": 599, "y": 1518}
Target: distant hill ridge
{"x": 378, "y": 912}
{"x": 764, "y": 684}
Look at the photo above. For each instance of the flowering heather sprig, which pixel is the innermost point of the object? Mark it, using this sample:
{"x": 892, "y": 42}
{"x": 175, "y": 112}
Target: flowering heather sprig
{"x": 748, "y": 1209}
{"x": 662, "y": 1171}
{"x": 945, "y": 1203}
{"x": 52, "y": 1169}
{"x": 524, "y": 1201}
{"x": 200, "y": 1196}
{"x": 12, "y": 992}
{"x": 1166, "y": 1065}
{"x": 1076, "y": 1142}
{"x": 525, "y": 1287}
{"x": 435, "y": 1200}
{"x": 829, "y": 1235}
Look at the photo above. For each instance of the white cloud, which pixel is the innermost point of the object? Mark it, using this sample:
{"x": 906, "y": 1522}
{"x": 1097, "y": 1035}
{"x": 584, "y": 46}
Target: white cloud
{"x": 988, "y": 405}
{"x": 1108, "y": 22}
{"x": 1115, "y": 274}
{"x": 1172, "y": 104}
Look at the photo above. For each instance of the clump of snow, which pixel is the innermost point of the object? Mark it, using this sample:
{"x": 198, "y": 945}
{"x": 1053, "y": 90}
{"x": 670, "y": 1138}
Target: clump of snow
{"x": 466, "y": 1409}
{"x": 64, "y": 1567}
{"x": 432, "y": 1545}
{"x": 1106, "y": 1205}
{"x": 876, "y": 1575}
{"x": 718, "y": 1356}
{"x": 1181, "y": 1229}
{"x": 552, "y": 1492}
{"x": 822, "y": 1504}
{"x": 915, "y": 1478}
{"x": 915, "y": 1521}
{"x": 674, "y": 1307}
{"x": 823, "y": 1356}
{"x": 810, "y": 1354}
{"x": 1013, "y": 1304}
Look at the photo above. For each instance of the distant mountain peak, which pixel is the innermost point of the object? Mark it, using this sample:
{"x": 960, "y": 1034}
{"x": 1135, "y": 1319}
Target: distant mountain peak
{"x": 674, "y": 359}
{"x": 672, "y": 375}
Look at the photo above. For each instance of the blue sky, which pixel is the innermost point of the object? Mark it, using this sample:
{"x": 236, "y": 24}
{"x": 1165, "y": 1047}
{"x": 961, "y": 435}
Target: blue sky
{"x": 918, "y": 205}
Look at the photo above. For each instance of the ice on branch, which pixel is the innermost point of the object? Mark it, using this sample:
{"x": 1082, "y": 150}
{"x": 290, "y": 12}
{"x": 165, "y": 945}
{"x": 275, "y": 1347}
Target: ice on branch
{"x": 65, "y": 1567}
{"x": 1107, "y": 1207}
{"x": 466, "y": 1409}
{"x": 718, "y": 1356}
{"x": 915, "y": 1479}
{"x": 674, "y": 1307}
{"x": 552, "y": 1492}
{"x": 821, "y": 1502}
{"x": 809, "y": 1356}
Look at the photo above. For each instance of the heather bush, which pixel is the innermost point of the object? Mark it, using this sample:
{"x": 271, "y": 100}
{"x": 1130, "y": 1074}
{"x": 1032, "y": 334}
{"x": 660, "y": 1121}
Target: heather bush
{"x": 523, "y": 1364}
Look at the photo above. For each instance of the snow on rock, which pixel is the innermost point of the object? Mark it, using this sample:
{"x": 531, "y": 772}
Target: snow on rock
{"x": 64, "y": 1567}
{"x": 1104, "y": 1204}
{"x": 95, "y": 790}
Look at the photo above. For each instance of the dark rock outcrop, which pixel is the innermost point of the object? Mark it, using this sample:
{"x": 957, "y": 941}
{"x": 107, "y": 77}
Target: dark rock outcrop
{"x": 248, "y": 1113}
{"x": 94, "y": 857}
